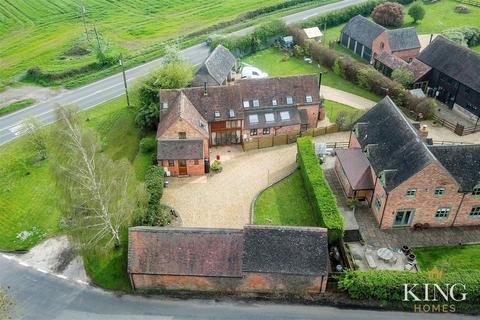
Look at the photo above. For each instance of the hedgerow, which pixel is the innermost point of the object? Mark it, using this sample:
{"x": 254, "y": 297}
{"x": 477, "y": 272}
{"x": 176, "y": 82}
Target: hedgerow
{"x": 388, "y": 285}
{"x": 320, "y": 195}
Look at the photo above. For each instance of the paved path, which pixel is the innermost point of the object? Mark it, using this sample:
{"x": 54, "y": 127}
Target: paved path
{"x": 224, "y": 202}
{"x": 42, "y": 296}
{"x": 347, "y": 98}
{"x": 103, "y": 90}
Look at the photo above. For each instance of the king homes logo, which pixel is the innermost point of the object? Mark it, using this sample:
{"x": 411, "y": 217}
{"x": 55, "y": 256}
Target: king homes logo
{"x": 433, "y": 297}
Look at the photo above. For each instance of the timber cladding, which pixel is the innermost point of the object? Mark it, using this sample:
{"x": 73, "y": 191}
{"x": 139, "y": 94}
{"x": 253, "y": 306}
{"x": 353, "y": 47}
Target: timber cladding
{"x": 256, "y": 259}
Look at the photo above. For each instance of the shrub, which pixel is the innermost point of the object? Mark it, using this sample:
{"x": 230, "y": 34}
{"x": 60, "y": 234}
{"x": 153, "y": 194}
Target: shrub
{"x": 217, "y": 166}
{"x": 320, "y": 195}
{"x": 383, "y": 285}
{"x": 462, "y": 9}
{"x": 154, "y": 184}
{"x": 417, "y": 12}
{"x": 466, "y": 36}
{"x": 148, "y": 145}
{"x": 388, "y": 14}
{"x": 403, "y": 76}
{"x": 404, "y": 2}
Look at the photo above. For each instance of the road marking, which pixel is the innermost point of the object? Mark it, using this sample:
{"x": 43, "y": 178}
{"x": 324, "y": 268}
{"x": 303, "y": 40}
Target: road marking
{"x": 61, "y": 276}
{"x": 41, "y": 270}
{"x": 24, "y": 264}
{"x": 82, "y": 282}
{"x": 7, "y": 257}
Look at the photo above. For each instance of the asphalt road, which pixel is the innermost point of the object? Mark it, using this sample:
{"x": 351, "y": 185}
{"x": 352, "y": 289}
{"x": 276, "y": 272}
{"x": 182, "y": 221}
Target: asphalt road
{"x": 41, "y": 296}
{"x": 103, "y": 90}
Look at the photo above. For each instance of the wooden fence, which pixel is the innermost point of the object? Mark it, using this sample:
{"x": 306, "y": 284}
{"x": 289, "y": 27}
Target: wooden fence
{"x": 457, "y": 128}
{"x": 270, "y": 141}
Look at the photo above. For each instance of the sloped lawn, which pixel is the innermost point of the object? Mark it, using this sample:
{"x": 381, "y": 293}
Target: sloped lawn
{"x": 285, "y": 203}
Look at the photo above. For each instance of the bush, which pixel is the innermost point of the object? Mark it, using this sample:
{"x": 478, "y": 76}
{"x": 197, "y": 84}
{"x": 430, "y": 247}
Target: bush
{"x": 320, "y": 195}
{"x": 466, "y": 36}
{"x": 403, "y": 76}
{"x": 383, "y": 285}
{"x": 404, "y": 2}
{"x": 217, "y": 166}
{"x": 388, "y": 14}
{"x": 155, "y": 215}
{"x": 462, "y": 9}
{"x": 417, "y": 12}
{"x": 148, "y": 145}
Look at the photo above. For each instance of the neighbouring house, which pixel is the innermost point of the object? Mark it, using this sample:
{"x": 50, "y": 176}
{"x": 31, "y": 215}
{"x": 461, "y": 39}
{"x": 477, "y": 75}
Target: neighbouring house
{"x": 406, "y": 182}
{"x": 386, "y": 62}
{"x": 454, "y": 78}
{"x": 256, "y": 259}
{"x": 313, "y": 33}
{"x": 225, "y": 115}
{"x": 217, "y": 69}
{"x": 368, "y": 39}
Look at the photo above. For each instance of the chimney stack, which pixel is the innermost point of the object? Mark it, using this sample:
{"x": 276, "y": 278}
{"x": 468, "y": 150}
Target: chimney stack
{"x": 424, "y": 131}
{"x": 205, "y": 92}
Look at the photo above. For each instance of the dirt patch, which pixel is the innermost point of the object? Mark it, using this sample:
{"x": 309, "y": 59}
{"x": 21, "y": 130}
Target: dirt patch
{"x": 39, "y": 94}
{"x": 77, "y": 51}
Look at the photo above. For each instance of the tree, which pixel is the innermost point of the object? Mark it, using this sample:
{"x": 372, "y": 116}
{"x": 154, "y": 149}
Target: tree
{"x": 403, "y": 76}
{"x": 174, "y": 73}
{"x": 37, "y": 138}
{"x": 6, "y": 303}
{"x": 388, "y": 14}
{"x": 417, "y": 12}
{"x": 100, "y": 196}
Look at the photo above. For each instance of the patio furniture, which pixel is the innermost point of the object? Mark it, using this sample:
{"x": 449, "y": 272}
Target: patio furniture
{"x": 370, "y": 261}
{"x": 385, "y": 254}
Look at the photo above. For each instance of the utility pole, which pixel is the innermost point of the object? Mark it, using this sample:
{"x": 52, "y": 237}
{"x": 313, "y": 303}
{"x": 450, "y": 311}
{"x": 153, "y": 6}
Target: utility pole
{"x": 124, "y": 79}
{"x": 84, "y": 11}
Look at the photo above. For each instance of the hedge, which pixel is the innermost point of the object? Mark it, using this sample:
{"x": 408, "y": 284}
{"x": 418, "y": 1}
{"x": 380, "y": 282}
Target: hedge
{"x": 319, "y": 193}
{"x": 388, "y": 285}
{"x": 338, "y": 17}
{"x": 154, "y": 184}
{"x": 261, "y": 38}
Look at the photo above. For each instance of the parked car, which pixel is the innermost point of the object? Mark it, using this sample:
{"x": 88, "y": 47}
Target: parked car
{"x": 250, "y": 72}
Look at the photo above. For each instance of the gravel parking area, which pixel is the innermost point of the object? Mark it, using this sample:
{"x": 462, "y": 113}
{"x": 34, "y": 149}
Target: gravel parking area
{"x": 223, "y": 200}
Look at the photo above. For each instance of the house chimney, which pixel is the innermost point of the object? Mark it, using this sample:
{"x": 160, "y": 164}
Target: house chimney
{"x": 205, "y": 92}
{"x": 423, "y": 132}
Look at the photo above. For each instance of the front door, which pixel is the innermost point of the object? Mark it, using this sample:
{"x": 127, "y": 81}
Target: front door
{"x": 182, "y": 167}
{"x": 403, "y": 218}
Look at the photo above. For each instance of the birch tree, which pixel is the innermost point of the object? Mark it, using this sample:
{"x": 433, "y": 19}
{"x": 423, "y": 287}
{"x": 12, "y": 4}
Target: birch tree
{"x": 100, "y": 196}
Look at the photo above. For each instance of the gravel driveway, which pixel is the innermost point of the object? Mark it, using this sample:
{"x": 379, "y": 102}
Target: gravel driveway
{"x": 223, "y": 200}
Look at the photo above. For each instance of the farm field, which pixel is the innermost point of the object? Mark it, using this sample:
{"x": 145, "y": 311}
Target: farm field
{"x": 439, "y": 16}
{"x": 47, "y": 34}
{"x": 272, "y": 61}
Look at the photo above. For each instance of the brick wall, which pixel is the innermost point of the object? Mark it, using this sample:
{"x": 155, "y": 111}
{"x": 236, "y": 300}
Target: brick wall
{"x": 261, "y": 283}
{"x": 273, "y": 131}
{"x": 192, "y": 168}
{"x": 407, "y": 54}
{"x": 463, "y": 217}
{"x": 382, "y": 38}
{"x": 182, "y": 126}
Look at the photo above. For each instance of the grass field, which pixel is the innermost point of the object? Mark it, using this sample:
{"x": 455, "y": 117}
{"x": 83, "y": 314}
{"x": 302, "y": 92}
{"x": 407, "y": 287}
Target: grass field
{"x": 16, "y": 106}
{"x": 285, "y": 203}
{"x": 455, "y": 258}
{"x": 334, "y": 108}
{"x": 271, "y": 61}
{"x": 439, "y": 17}
{"x": 40, "y": 33}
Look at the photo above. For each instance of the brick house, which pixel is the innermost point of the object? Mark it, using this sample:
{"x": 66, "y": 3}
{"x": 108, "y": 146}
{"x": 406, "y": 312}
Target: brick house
{"x": 251, "y": 107}
{"x": 217, "y": 69}
{"x": 406, "y": 182}
{"x": 368, "y": 39}
{"x": 256, "y": 259}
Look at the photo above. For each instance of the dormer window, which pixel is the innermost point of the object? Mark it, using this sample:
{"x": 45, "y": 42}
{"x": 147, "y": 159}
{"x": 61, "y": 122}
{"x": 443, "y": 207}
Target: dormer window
{"x": 285, "y": 115}
{"x": 253, "y": 118}
{"x": 308, "y": 99}
{"x": 289, "y": 100}
{"x": 246, "y": 104}
{"x": 231, "y": 113}
{"x": 476, "y": 191}
{"x": 256, "y": 103}
{"x": 269, "y": 117}
{"x": 274, "y": 102}
{"x": 217, "y": 114}
{"x": 164, "y": 105}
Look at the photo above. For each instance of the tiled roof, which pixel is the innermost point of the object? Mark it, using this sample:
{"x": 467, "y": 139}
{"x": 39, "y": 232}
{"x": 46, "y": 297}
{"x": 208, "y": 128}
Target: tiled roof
{"x": 463, "y": 163}
{"x": 285, "y": 250}
{"x": 183, "y": 251}
{"x": 276, "y": 120}
{"x": 392, "y": 145}
{"x": 356, "y": 168}
{"x": 180, "y": 149}
{"x": 224, "y": 98}
{"x": 454, "y": 60}
{"x": 403, "y": 39}
{"x": 218, "y": 65}
{"x": 363, "y": 30}
{"x": 418, "y": 68}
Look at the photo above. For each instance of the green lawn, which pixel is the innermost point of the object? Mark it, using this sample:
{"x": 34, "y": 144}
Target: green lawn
{"x": 285, "y": 203}
{"x": 270, "y": 61}
{"x": 334, "y": 108}
{"x": 48, "y": 29}
{"x": 16, "y": 106}
{"x": 453, "y": 258}
{"x": 439, "y": 17}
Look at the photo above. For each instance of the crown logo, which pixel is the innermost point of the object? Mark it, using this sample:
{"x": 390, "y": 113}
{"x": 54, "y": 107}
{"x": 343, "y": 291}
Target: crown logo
{"x": 435, "y": 273}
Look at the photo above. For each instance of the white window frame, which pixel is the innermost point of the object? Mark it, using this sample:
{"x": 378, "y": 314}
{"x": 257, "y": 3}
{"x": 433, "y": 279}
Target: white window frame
{"x": 282, "y": 116}
{"x": 274, "y": 102}
{"x": 246, "y": 103}
{"x": 309, "y": 99}
{"x": 443, "y": 213}
{"x": 289, "y": 100}
{"x": 216, "y": 114}
{"x": 410, "y": 190}
{"x": 437, "y": 189}
{"x": 256, "y": 103}
{"x": 269, "y": 120}
{"x": 253, "y": 118}
{"x": 475, "y": 212}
